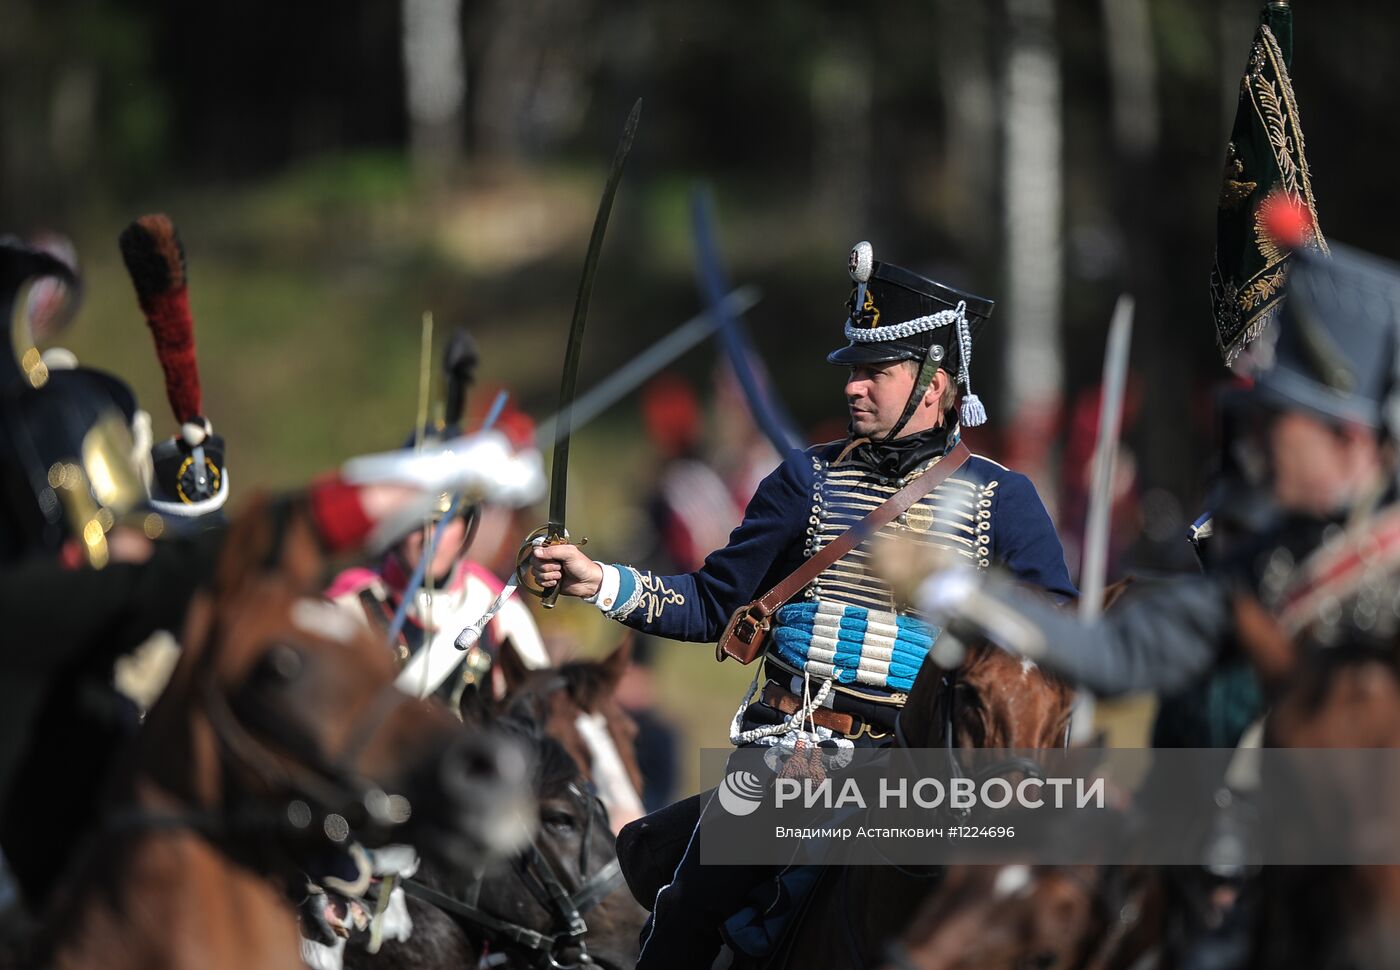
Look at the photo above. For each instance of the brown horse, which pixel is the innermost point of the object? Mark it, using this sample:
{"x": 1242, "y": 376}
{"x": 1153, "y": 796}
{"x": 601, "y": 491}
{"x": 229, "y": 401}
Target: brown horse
{"x": 576, "y": 705}
{"x": 456, "y": 923}
{"x": 1343, "y": 695}
{"x": 279, "y": 730}
{"x": 1047, "y": 918}
{"x": 991, "y": 700}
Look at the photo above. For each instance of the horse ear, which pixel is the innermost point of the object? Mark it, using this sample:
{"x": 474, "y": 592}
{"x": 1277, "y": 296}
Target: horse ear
{"x": 271, "y": 537}
{"x": 616, "y": 663}
{"x": 512, "y": 668}
{"x": 1270, "y": 651}
{"x": 194, "y": 644}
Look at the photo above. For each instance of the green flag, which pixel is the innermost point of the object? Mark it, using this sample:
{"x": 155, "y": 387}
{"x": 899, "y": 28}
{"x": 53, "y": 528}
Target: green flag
{"x": 1264, "y": 156}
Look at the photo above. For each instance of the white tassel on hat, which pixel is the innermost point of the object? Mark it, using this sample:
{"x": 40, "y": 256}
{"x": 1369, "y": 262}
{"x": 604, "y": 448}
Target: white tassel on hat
{"x": 196, "y": 431}
{"x": 973, "y": 413}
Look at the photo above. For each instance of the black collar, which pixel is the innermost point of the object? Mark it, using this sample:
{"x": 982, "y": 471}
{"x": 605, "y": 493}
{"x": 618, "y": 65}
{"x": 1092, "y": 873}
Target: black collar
{"x": 897, "y": 458}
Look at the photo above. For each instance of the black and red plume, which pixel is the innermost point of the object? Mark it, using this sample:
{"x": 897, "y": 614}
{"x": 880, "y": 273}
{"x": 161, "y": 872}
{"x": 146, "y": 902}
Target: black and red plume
{"x": 155, "y": 259}
{"x": 459, "y": 362}
{"x": 190, "y": 478}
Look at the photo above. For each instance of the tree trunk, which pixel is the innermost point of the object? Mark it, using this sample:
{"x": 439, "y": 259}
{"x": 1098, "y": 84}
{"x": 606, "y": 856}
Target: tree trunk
{"x": 842, "y": 95}
{"x": 969, "y": 94}
{"x": 435, "y": 85}
{"x": 1033, "y": 227}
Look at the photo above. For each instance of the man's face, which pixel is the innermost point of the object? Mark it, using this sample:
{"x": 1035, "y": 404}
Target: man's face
{"x": 444, "y": 555}
{"x": 876, "y": 395}
{"x": 1318, "y": 469}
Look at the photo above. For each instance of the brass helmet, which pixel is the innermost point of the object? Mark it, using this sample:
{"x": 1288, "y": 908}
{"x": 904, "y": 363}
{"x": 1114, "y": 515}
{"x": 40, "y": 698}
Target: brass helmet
{"x": 66, "y": 450}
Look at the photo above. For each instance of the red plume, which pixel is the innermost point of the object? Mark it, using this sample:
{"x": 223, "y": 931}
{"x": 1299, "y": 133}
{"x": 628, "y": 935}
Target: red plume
{"x": 155, "y": 259}
{"x": 1286, "y": 219}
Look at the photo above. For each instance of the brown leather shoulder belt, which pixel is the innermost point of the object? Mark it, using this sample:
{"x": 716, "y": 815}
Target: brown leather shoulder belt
{"x": 744, "y": 637}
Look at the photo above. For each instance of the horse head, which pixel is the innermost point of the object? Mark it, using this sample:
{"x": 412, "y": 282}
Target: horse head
{"x": 561, "y": 901}
{"x": 576, "y": 849}
{"x": 576, "y": 705}
{"x": 1021, "y": 917}
{"x": 282, "y": 714}
{"x": 991, "y": 699}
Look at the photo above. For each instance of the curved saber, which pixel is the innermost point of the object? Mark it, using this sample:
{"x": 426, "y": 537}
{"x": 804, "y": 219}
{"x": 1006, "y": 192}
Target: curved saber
{"x": 1115, "y": 373}
{"x": 1096, "y": 533}
{"x": 769, "y": 414}
{"x": 555, "y": 531}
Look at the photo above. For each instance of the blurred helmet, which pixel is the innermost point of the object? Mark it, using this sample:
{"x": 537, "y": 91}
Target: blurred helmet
{"x": 1336, "y": 350}
{"x": 66, "y": 449}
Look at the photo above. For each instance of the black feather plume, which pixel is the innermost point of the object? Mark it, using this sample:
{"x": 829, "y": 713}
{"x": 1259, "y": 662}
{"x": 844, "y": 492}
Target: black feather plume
{"x": 459, "y": 362}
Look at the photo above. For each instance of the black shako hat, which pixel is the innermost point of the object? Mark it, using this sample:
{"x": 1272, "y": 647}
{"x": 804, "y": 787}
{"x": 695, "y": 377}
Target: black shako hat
{"x": 894, "y": 314}
{"x": 1338, "y": 349}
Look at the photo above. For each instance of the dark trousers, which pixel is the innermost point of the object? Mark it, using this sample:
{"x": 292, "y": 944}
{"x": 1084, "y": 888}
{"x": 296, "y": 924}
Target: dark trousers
{"x": 660, "y": 856}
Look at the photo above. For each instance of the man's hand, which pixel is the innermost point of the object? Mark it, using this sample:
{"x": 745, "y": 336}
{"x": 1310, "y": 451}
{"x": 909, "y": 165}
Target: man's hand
{"x": 564, "y": 563}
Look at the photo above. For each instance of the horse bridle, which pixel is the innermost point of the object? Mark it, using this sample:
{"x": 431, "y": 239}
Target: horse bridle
{"x": 329, "y": 782}
{"x": 566, "y": 908}
{"x": 1006, "y": 766}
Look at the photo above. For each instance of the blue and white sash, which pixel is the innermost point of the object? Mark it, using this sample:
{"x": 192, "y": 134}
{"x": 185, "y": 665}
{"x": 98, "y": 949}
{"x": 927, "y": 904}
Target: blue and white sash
{"x": 852, "y": 644}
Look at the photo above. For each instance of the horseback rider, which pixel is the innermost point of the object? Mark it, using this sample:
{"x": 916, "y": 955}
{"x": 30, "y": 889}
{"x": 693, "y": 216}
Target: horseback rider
{"x": 909, "y": 350}
{"x": 1309, "y": 456}
{"x": 1308, "y": 473}
{"x": 454, "y": 593}
{"x": 424, "y": 606}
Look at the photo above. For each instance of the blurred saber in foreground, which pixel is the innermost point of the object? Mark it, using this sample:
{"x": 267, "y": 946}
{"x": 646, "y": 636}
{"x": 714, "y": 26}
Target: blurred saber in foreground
{"x": 768, "y": 412}
{"x": 630, "y": 375}
{"x": 1096, "y": 532}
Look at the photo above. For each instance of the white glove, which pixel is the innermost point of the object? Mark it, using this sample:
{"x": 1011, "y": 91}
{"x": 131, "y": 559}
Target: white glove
{"x": 962, "y": 593}
{"x": 944, "y": 592}
{"x": 520, "y": 482}
{"x": 483, "y": 466}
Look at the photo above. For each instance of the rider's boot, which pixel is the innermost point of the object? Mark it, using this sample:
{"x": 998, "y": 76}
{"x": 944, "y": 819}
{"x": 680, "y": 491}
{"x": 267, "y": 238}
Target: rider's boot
{"x": 683, "y": 930}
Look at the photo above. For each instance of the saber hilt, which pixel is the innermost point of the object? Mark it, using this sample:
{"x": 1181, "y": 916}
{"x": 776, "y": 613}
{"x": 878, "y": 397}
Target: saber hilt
{"x": 545, "y": 535}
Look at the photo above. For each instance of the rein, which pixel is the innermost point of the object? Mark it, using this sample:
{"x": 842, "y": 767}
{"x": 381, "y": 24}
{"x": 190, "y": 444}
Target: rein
{"x": 949, "y": 696}
{"x": 326, "y": 781}
{"x": 566, "y": 909}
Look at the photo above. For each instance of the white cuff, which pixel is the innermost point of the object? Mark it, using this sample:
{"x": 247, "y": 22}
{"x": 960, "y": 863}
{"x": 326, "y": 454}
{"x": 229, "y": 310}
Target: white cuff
{"x": 606, "y": 597}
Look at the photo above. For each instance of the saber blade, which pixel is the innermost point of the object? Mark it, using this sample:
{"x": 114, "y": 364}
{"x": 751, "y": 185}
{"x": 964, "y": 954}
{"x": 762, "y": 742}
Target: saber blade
{"x": 1115, "y": 373}
{"x": 559, "y": 473}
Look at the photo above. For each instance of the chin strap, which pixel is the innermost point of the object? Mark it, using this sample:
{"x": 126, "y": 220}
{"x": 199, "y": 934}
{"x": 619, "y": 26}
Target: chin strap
{"x": 927, "y": 369}
{"x": 973, "y": 413}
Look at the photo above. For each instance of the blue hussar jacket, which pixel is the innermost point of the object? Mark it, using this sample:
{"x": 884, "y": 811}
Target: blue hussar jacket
{"x": 986, "y": 512}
